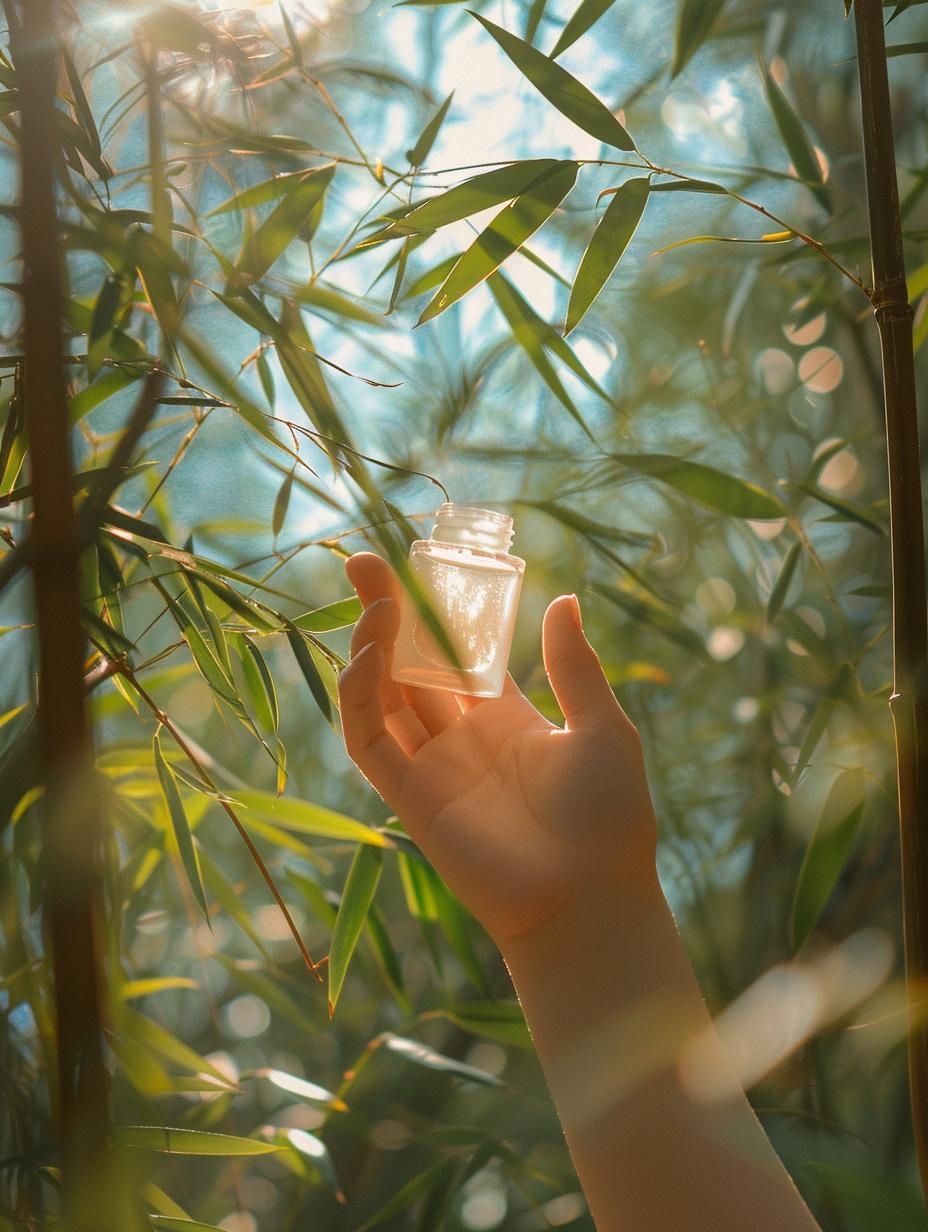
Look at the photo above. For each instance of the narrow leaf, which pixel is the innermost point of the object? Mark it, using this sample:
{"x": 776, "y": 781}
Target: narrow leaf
{"x": 710, "y": 487}
{"x": 308, "y": 818}
{"x": 836, "y": 690}
{"x": 652, "y": 614}
{"x": 310, "y": 672}
{"x": 181, "y": 826}
{"x": 437, "y": 1175}
{"x": 186, "y": 1141}
{"x": 356, "y": 899}
{"x": 784, "y": 579}
{"x": 828, "y": 848}
{"x": 563, "y": 91}
{"x": 421, "y": 1054}
{"x": 694, "y": 25}
{"x": 423, "y": 147}
{"x": 282, "y": 504}
{"x": 284, "y": 223}
{"x": 332, "y": 616}
{"x": 796, "y": 139}
{"x": 583, "y": 17}
{"x": 847, "y": 509}
{"x": 502, "y": 1021}
{"x": 610, "y": 239}
{"x": 511, "y": 227}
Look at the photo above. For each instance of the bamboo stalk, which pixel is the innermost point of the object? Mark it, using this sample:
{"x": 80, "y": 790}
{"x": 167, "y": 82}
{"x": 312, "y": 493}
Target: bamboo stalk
{"x": 73, "y": 915}
{"x": 909, "y": 702}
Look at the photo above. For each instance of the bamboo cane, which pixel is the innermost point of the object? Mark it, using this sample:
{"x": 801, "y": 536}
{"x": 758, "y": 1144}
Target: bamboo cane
{"x": 909, "y": 702}
{"x": 71, "y": 823}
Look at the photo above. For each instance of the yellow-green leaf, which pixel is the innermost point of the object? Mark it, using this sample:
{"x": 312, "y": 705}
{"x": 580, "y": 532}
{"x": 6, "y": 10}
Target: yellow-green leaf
{"x": 181, "y": 826}
{"x": 710, "y": 487}
{"x": 308, "y": 818}
{"x": 186, "y": 1141}
{"x": 828, "y": 848}
{"x": 284, "y": 223}
{"x": 356, "y": 899}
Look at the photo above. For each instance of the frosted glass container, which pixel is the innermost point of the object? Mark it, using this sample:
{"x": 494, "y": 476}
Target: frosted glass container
{"x": 473, "y": 583}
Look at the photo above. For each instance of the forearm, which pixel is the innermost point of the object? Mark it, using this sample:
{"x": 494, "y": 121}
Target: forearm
{"x": 612, "y": 1002}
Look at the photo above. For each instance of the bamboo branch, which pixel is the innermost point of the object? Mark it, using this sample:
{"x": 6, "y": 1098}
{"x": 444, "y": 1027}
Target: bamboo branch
{"x": 909, "y": 702}
{"x": 72, "y": 832}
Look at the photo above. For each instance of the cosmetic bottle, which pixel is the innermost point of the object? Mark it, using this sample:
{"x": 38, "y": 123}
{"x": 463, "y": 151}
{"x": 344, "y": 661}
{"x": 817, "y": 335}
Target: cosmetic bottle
{"x": 472, "y": 583}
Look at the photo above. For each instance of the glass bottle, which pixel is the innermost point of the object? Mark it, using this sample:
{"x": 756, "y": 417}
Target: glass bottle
{"x": 473, "y": 584}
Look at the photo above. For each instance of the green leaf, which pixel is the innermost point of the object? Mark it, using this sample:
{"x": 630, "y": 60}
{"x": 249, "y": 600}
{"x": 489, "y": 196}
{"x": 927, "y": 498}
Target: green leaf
{"x": 437, "y": 274}
{"x": 796, "y": 139}
{"x": 173, "y": 1223}
{"x": 423, "y": 147}
{"x": 326, "y": 299}
{"x": 511, "y": 227}
{"x": 112, "y": 382}
{"x": 386, "y": 957}
{"x": 828, "y": 848}
{"x": 282, "y": 504}
{"x": 784, "y": 580}
{"x": 186, "y": 1141}
{"x": 135, "y": 1026}
{"x": 310, "y": 673}
{"x": 356, "y": 899}
{"x": 114, "y": 297}
{"x": 694, "y": 25}
{"x": 584, "y": 16}
{"x": 284, "y": 223}
{"x": 847, "y": 509}
{"x": 259, "y": 194}
{"x": 307, "y": 818}
{"x": 209, "y": 666}
{"x": 709, "y": 487}
{"x": 502, "y": 1021}
{"x": 421, "y": 1054}
{"x": 332, "y": 616}
{"x": 563, "y": 91}
{"x": 882, "y": 1201}
{"x": 479, "y": 193}
{"x": 230, "y": 901}
{"x": 181, "y": 826}
{"x": 610, "y": 239}
{"x": 260, "y": 684}
{"x": 687, "y": 185}
{"x": 837, "y": 690}
{"x": 293, "y": 41}
{"x": 587, "y": 527}
{"x": 653, "y": 614}
{"x": 437, "y": 1176}
{"x": 906, "y": 49}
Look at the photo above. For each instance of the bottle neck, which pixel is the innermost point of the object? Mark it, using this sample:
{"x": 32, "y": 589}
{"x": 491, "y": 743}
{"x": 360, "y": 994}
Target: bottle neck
{"x": 471, "y": 527}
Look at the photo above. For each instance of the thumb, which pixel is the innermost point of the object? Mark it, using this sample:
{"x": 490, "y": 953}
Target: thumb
{"x": 575, "y": 673}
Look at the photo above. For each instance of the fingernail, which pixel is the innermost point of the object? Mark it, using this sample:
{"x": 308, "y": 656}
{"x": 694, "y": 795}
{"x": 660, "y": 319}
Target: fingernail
{"x": 363, "y": 650}
{"x": 378, "y": 602}
{"x": 577, "y": 615}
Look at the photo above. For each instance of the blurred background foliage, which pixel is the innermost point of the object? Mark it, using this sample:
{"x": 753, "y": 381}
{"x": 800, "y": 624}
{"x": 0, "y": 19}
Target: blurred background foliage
{"x": 703, "y": 462}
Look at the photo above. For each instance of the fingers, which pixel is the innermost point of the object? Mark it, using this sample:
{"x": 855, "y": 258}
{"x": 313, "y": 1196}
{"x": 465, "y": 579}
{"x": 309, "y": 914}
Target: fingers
{"x": 575, "y": 673}
{"x": 370, "y": 745}
{"x": 436, "y": 708}
{"x": 372, "y": 578}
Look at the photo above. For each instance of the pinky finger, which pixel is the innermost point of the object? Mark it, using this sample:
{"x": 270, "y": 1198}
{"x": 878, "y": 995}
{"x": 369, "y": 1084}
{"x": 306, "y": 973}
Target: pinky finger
{"x": 370, "y": 746}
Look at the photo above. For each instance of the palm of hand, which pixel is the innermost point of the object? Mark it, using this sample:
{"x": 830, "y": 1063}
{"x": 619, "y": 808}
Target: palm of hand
{"x": 519, "y": 816}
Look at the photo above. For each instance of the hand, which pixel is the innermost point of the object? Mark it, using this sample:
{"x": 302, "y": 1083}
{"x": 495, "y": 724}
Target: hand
{"x": 520, "y": 817}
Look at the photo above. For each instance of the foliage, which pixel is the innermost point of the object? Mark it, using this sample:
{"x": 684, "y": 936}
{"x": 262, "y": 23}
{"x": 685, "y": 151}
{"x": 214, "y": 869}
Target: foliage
{"x": 702, "y": 461}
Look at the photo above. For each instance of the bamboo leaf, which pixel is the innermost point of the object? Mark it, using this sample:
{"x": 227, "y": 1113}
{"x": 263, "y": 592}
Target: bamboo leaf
{"x": 421, "y": 1054}
{"x": 259, "y": 194}
{"x": 260, "y": 684}
{"x": 423, "y": 147}
{"x": 784, "y": 580}
{"x": 181, "y": 826}
{"x": 386, "y": 957}
{"x": 308, "y": 818}
{"x": 268, "y": 990}
{"x": 135, "y": 1026}
{"x": 332, "y": 616}
{"x": 174, "y": 1223}
{"x": 296, "y": 50}
{"x": 356, "y": 899}
{"x": 502, "y": 1021}
{"x": 796, "y": 139}
{"x": 437, "y": 1175}
{"x": 281, "y": 505}
{"x": 310, "y": 672}
{"x": 318, "y": 1096}
{"x": 610, "y": 239}
{"x": 326, "y": 299}
{"x": 437, "y": 274}
{"x": 828, "y": 848}
{"x": 584, "y": 16}
{"x": 837, "y": 689}
{"x": 230, "y": 901}
{"x": 653, "y": 614}
{"x": 511, "y": 227}
{"x": 847, "y": 509}
{"x": 562, "y": 90}
{"x": 709, "y": 487}
{"x": 186, "y": 1141}
{"x": 284, "y": 223}
{"x": 145, "y": 988}
{"x": 479, "y": 193}
{"x": 695, "y": 20}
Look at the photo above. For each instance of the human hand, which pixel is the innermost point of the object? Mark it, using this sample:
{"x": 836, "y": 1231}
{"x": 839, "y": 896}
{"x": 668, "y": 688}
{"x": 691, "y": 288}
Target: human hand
{"x": 520, "y": 817}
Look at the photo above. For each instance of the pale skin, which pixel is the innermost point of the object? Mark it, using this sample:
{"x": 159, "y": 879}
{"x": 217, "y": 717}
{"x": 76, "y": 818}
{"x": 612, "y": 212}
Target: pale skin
{"x": 548, "y": 836}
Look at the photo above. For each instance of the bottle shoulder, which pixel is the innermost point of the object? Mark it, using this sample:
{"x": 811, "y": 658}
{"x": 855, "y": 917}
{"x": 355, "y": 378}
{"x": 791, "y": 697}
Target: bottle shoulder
{"x": 466, "y": 557}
